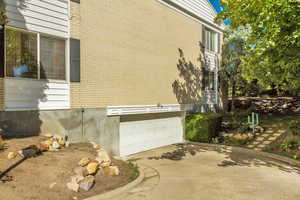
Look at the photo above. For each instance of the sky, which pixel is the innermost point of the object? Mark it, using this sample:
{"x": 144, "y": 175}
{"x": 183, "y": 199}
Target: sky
{"x": 216, "y": 4}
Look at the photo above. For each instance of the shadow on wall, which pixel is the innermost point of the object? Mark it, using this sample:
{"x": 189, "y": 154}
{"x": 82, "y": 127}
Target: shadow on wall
{"x": 190, "y": 87}
{"x": 21, "y": 64}
{"x": 190, "y": 84}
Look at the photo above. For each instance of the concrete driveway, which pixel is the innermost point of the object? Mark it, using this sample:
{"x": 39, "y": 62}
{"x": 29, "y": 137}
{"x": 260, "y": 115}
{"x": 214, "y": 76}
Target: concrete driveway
{"x": 214, "y": 173}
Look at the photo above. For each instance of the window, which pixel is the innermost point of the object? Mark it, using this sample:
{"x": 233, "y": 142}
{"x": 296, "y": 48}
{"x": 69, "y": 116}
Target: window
{"x": 211, "y": 40}
{"x": 74, "y": 60}
{"x": 53, "y": 58}
{"x": 209, "y": 80}
{"x": 21, "y": 54}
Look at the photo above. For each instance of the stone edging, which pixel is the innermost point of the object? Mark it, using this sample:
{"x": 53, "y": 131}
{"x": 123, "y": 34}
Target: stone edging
{"x": 120, "y": 190}
{"x": 272, "y": 156}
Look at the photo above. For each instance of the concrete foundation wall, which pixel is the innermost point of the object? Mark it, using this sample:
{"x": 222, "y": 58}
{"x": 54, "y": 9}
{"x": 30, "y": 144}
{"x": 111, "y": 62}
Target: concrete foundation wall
{"x": 79, "y": 125}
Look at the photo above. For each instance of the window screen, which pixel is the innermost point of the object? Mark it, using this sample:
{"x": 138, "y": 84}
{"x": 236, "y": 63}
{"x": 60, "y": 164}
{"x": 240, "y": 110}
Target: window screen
{"x": 53, "y": 58}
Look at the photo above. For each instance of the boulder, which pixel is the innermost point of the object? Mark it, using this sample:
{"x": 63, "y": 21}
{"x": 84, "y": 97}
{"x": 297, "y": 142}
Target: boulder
{"x": 96, "y": 146}
{"x": 73, "y": 186}
{"x": 87, "y": 183}
{"x": 11, "y": 155}
{"x": 81, "y": 171}
{"x": 61, "y": 142}
{"x": 92, "y": 167}
{"x": 102, "y": 156}
{"x": 74, "y": 183}
{"x": 84, "y": 162}
{"x": 55, "y": 145}
{"x": 111, "y": 170}
{"x": 46, "y": 143}
{"x": 77, "y": 178}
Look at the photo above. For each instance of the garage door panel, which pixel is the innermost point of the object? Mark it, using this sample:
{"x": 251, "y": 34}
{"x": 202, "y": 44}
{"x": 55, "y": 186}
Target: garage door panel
{"x": 138, "y": 136}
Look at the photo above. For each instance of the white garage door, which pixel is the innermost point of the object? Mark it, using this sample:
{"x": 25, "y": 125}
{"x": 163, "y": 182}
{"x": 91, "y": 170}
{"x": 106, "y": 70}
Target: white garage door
{"x": 144, "y": 134}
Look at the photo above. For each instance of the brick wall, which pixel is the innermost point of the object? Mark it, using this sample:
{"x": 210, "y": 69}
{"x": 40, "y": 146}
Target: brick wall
{"x": 129, "y": 52}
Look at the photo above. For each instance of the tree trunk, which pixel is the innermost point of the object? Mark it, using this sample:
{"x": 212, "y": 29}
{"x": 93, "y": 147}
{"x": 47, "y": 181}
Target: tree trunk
{"x": 233, "y": 97}
{"x": 224, "y": 95}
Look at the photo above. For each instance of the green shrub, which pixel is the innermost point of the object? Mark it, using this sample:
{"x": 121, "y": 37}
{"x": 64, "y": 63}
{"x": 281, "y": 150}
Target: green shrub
{"x": 243, "y": 128}
{"x": 135, "y": 169}
{"x": 295, "y": 127}
{"x": 289, "y": 143}
{"x": 203, "y": 127}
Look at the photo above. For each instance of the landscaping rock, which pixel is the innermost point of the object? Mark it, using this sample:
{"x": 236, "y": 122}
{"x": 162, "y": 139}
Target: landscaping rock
{"x": 81, "y": 171}
{"x": 103, "y": 157}
{"x": 52, "y": 149}
{"x": 84, "y": 162}
{"x": 74, "y": 183}
{"x": 55, "y": 145}
{"x": 11, "y": 155}
{"x": 48, "y": 135}
{"x": 92, "y": 167}
{"x": 47, "y": 143}
{"x": 77, "y": 178}
{"x": 52, "y": 185}
{"x": 112, "y": 170}
{"x": 73, "y": 186}
{"x": 67, "y": 144}
{"x": 61, "y": 142}
{"x": 96, "y": 146}
{"x": 259, "y": 129}
{"x": 87, "y": 183}
{"x": 43, "y": 147}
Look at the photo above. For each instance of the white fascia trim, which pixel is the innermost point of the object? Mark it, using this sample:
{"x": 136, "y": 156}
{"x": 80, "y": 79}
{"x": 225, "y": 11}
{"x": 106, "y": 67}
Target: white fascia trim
{"x": 219, "y": 29}
{"x": 143, "y": 109}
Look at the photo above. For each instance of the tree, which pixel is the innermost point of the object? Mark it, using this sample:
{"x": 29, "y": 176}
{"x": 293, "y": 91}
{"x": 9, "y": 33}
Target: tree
{"x": 233, "y": 51}
{"x": 273, "y": 46}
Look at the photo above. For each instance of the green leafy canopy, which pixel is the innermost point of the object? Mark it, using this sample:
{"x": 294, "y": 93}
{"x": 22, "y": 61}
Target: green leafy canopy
{"x": 273, "y": 46}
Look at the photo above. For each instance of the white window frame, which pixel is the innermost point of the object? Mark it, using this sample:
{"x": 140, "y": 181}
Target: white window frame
{"x": 66, "y": 80}
{"x": 208, "y": 35}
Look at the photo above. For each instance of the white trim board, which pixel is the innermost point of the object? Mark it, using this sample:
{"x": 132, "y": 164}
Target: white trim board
{"x": 142, "y": 109}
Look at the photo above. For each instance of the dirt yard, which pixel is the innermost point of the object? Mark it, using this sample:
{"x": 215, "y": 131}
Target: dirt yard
{"x": 45, "y": 177}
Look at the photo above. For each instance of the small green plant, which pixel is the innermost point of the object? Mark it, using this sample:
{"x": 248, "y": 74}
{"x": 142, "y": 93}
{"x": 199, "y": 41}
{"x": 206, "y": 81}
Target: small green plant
{"x": 135, "y": 172}
{"x": 244, "y": 128}
{"x": 289, "y": 143}
{"x": 216, "y": 140}
{"x": 296, "y": 156}
{"x": 295, "y": 127}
